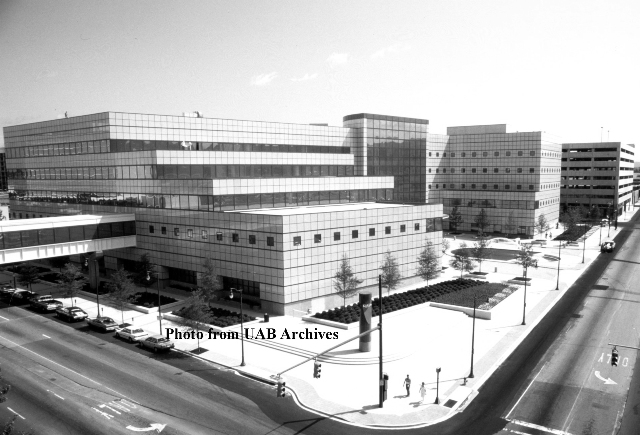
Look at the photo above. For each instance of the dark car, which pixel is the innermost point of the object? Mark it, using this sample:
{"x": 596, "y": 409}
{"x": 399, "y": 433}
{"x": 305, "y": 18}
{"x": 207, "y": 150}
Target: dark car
{"x": 71, "y": 314}
{"x": 23, "y": 296}
{"x": 608, "y": 246}
{"x": 104, "y": 323}
{"x": 157, "y": 342}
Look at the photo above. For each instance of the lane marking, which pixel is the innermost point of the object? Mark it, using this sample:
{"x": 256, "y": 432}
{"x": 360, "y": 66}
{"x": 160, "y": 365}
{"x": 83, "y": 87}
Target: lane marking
{"x": 55, "y": 394}
{"x": 538, "y": 427}
{"x": 45, "y": 336}
{"x": 66, "y": 368}
{"x": 16, "y": 413}
{"x": 518, "y": 432}
{"x": 4, "y": 318}
{"x": 607, "y": 381}
{"x": 525, "y": 391}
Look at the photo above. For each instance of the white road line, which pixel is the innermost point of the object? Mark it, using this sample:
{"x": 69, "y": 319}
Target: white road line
{"x": 538, "y": 427}
{"x": 55, "y": 394}
{"x": 518, "y": 432}
{"x": 45, "y": 336}
{"x": 3, "y": 318}
{"x": 16, "y": 413}
{"x": 525, "y": 391}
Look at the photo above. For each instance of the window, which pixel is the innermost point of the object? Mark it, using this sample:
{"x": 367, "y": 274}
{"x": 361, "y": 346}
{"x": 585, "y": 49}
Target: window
{"x": 444, "y": 170}
{"x": 485, "y": 154}
{"x": 270, "y": 241}
{"x": 473, "y": 154}
{"x": 416, "y": 227}
{"x": 204, "y": 234}
{"x": 429, "y": 170}
{"x": 530, "y": 186}
{"x": 484, "y": 186}
{"x": 531, "y": 170}
{"x": 372, "y": 232}
{"x": 519, "y": 170}
{"x": 463, "y": 170}
{"x": 354, "y": 234}
{"x": 462, "y": 186}
{"x": 532, "y": 153}
{"x": 507, "y": 186}
{"x": 219, "y": 236}
{"x": 429, "y": 154}
{"x": 235, "y": 237}
{"x": 520, "y": 153}
{"x": 496, "y": 153}
{"x": 484, "y": 170}
{"x": 495, "y": 170}
{"x": 453, "y": 170}
{"x": 387, "y": 230}
{"x": 437, "y": 171}
{"x": 164, "y": 230}
{"x": 437, "y": 185}
{"x": 518, "y": 186}
{"x": 507, "y": 170}
{"x": 444, "y": 154}
{"x": 453, "y": 154}
{"x": 464, "y": 154}
{"x": 495, "y": 187}
{"x": 252, "y": 239}
{"x": 317, "y": 238}
{"x": 190, "y": 234}
{"x": 176, "y": 232}
{"x": 473, "y": 186}
{"x": 297, "y": 241}
{"x": 336, "y": 236}
{"x": 473, "y": 170}
{"x": 429, "y": 186}
{"x": 508, "y": 153}
{"x": 403, "y": 228}
{"x": 151, "y": 229}
{"x": 437, "y": 154}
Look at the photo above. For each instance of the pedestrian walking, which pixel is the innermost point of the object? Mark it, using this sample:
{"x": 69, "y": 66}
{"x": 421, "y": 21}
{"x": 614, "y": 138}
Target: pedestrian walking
{"x": 423, "y": 392}
{"x": 546, "y": 235}
{"x": 407, "y": 383}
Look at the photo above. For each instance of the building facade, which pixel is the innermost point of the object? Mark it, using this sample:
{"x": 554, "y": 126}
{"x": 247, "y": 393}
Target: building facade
{"x": 242, "y": 193}
{"x": 514, "y": 177}
{"x": 598, "y": 174}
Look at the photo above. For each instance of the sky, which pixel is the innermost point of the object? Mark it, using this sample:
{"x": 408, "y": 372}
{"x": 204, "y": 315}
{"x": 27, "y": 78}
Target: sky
{"x": 569, "y": 68}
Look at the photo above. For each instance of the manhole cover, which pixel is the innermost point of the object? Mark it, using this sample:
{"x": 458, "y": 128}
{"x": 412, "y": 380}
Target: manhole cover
{"x": 449, "y": 403}
{"x": 600, "y": 287}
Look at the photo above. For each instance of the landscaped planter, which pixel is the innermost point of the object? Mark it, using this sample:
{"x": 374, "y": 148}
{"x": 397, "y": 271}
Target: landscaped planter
{"x": 520, "y": 280}
{"x": 480, "y": 314}
{"x": 223, "y": 318}
{"x": 206, "y": 327}
{"x": 145, "y": 310}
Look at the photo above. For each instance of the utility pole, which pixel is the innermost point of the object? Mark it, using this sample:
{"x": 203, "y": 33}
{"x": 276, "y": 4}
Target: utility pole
{"x": 381, "y": 375}
{"x": 473, "y": 335}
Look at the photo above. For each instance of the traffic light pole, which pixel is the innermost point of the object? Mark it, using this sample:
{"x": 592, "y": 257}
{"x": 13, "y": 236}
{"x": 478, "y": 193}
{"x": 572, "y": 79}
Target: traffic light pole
{"x": 622, "y": 345}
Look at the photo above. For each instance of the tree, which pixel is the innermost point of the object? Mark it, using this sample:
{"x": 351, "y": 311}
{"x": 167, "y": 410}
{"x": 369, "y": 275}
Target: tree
{"x": 71, "y": 281}
{"x": 461, "y": 260}
{"x": 444, "y": 246}
{"x": 345, "y": 281}
{"x": 428, "y": 263}
{"x": 59, "y": 262}
{"x": 144, "y": 269}
{"x": 482, "y": 221}
{"x": 390, "y": 273}
{"x": 455, "y": 218}
{"x": 595, "y": 214}
{"x": 28, "y": 275}
{"x": 480, "y": 252}
{"x": 209, "y": 283}
{"x": 525, "y": 257}
{"x": 510, "y": 225}
{"x": 121, "y": 290}
{"x": 541, "y": 224}
{"x": 196, "y": 312}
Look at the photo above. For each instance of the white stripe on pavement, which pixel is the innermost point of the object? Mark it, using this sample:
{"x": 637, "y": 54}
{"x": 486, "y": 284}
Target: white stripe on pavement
{"x": 538, "y": 427}
{"x": 45, "y": 336}
{"x": 3, "y": 318}
{"x": 16, "y": 413}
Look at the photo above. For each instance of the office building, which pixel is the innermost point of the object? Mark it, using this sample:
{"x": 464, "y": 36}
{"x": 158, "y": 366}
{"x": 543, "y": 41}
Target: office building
{"x": 598, "y": 174}
{"x": 275, "y": 205}
{"x": 514, "y": 177}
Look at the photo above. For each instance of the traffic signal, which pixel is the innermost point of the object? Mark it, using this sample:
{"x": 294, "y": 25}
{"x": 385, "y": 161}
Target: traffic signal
{"x": 317, "y": 368}
{"x": 281, "y": 388}
{"x": 614, "y": 358}
{"x": 385, "y": 386}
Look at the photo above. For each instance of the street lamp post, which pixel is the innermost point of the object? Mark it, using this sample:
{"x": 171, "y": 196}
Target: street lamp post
{"x": 473, "y": 335}
{"x": 437, "y": 385}
{"x": 159, "y": 305}
{"x": 242, "y": 364}
{"x": 534, "y": 263}
{"x": 86, "y": 264}
{"x": 584, "y": 245}
{"x": 559, "y": 257}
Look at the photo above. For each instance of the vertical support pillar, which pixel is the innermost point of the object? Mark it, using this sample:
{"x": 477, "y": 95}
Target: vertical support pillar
{"x": 94, "y": 269}
{"x": 365, "y": 321}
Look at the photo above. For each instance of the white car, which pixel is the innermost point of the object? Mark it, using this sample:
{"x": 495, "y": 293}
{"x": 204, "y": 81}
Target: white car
{"x": 131, "y": 333}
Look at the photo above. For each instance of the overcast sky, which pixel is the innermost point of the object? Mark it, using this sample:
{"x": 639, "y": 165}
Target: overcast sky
{"x": 570, "y": 68}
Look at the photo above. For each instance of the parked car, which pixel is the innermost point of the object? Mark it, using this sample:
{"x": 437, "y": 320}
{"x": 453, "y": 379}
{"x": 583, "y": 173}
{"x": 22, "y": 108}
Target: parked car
{"x": 604, "y": 222}
{"x": 7, "y": 291}
{"x": 157, "y": 342}
{"x": 23, "y": 296}
{"x": 45, "y": 303}
{"x": 104, "y": 323}
{"x": 71, "y": 314}
{"x": 608, "y": 246}
{"x": 131, "y": 333}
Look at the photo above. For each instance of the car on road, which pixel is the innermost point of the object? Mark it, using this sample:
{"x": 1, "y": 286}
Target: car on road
{"x": 45, "y": 303}
{"x": 131, "y": 333}
{"x": 23, "y": 296}
{"x": 7, "y": 291}
{"x": 104, "y": 323}
{"x": 71, "y": 314}
{"x": 156, "y": 342}
{"x": 608, "y": 246}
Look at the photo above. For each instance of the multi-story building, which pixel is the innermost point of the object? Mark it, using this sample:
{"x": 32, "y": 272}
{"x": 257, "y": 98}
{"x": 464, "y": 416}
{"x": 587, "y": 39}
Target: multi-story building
{"x": 3, "y": 171}
{"x": 275, "y": 206}
{"x": 514, "y": 177}
{"x": 597, "y": 174}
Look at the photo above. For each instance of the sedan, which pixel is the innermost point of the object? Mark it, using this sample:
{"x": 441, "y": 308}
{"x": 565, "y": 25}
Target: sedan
{"x": 131, "y": 333}
{"x": 71, "y": 314}
{"x": 23, "y": 296}
{"x": 104, "y": 323}
{"x": 156, "y": 342}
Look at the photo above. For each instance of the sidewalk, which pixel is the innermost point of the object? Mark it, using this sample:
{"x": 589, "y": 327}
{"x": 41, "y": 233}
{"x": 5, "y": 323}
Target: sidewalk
{"x": 416, "y": 341}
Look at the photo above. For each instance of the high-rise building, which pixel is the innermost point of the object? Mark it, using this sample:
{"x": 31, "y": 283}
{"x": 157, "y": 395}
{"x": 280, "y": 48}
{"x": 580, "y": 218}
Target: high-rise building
{"x": 3, "y": 171}
{"x": 514, "y": 177}
{"x": 276, "y": 206}
{"x": 597, "y": 174}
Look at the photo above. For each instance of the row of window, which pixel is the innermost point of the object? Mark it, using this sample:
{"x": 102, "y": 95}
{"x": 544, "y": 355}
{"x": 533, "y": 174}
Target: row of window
{"x": 489, "y": 154}
{"x": 496, "y": 170}
{"x": 594, "y": 159}
{"x": 206, "y": 202}
{"x": 596, "y": 168}
{"x": 182, "y": 172}
{"x": 123, "y": 146}
{"x": 491, "y": 203}
{"x": 495, "y": 186}
{"x": 49, "y": 236}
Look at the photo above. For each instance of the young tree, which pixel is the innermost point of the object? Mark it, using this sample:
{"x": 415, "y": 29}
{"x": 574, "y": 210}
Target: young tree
{"x": 59, "y": 262}
{"x": 525, "y": 257}
{"x": 480, "y": 252}
{"x": 144, "y": 269}
{"x": 195, "y": 313}
{"x": 541, "y": 224}
{"x": 444, "y": 246}
{"x": 461, "y": 260}
{"x": 428, "y": 263}
{"x": 455, "y": 218}
{"x": 121, "y": 290}
{"x": 482, "y": 221}
{"x": 345, "y": 281}
{"x": 510, "y": 225}
{"x": 390, "y": 273}
{"x": 28, "y": 275}
{"x": 209, "y": 283}
{"x": 71, "y": 281}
